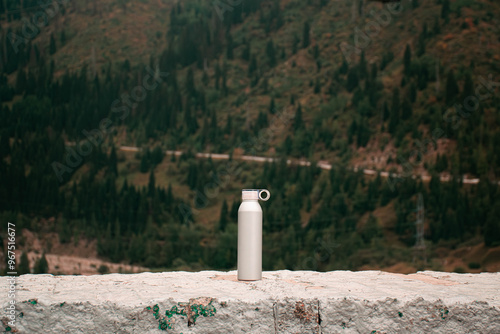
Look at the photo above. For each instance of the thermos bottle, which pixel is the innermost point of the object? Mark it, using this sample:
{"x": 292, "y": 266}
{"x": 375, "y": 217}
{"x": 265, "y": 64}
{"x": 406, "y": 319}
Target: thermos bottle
{"x": 250, "y": 234}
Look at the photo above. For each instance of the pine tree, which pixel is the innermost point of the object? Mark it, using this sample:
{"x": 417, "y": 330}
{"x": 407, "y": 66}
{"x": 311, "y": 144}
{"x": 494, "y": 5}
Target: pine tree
{"x": 344, "y": 67}
{"x": 385, "y": 111}
{"x": 214, "y": 131}
{"x": 374, "y": 72}
{"x": 63, "y": 37}
{"x": 363, "y": 133}
{"x": 298, "y": 123}
{"x": 305, "y": 35}
{"x": 283, "y": 53}
{"x": 192, "y": 177}
{"x": 252, "y": 66}
{"x": 113, "y": 161}
{"x": 360, "y": 7}
{"x": 144, "y": 166}
{"x": 445, "y": 10}
{"x": 24, "y": 265}
{"x": 316, "y": 51}
{"x": 262, "y": 121}
{"x": 190, "y": 82}
{"x": 217, "y": 75}
{"x": 352, "y": 80}
{"x": 229, "y": 125}
{"x": 370, "y": 230}
{"x": 157, "y": 156}
{"x": 451, "y": 88}
{"x": 151, "y": 184}
{"x": 421, "y": 42}
{"x": 4, "y": 144}
{"x": 190, "y": 120}
{"x": 295, "y": 44}
{"x": 21, "y": 81}
{"x": 425, "y": 31}
{"x": 223, "y": 216}
{"x": 229, "y": 50}
{"x": 407, "y": 60}
{"x": 224, "y": 79}
{"x": 271, "y": 54}
{"x": 233, "y": 215}
{"x": 272, "y": 107}
{"x": 42, "y": 266}
{"x": 52, "y": 46}
{"x": 169, "y": 197}
{"x": 205, "y": 79}
{"x": 492, "y": 228}
{"x": 245, "y": 54}
{"x": 317, "y": 86}
{"x": 437, "y": 27}
{"x": 412, "y": 93}
{"x": 363, "y": 67}
{"x": 395, "y": 107}
{"x": 468, "y": 86}
{"x": 406, "y": 109}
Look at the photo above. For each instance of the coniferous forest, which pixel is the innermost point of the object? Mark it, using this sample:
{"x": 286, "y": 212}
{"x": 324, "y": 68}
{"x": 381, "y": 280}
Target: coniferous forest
{"x": 312, "y": 80}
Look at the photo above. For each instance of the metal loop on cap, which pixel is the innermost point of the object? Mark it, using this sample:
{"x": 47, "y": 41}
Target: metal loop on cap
{"x": 268, "y": 194}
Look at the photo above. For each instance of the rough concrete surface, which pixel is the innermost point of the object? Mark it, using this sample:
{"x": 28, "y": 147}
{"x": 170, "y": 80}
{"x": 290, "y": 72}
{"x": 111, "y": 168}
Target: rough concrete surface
{"x": 282, "y": 302}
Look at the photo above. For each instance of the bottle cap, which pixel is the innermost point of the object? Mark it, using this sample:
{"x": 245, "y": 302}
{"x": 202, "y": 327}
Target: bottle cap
{"x": 255, "y": 194}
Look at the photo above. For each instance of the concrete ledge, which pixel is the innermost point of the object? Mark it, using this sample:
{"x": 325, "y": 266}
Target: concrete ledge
{"x": 283, "y": 302}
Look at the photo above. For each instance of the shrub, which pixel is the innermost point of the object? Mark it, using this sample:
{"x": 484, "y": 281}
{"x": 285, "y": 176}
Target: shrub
{"x": 474, "y": 265}
{"x": 103, "y": 269}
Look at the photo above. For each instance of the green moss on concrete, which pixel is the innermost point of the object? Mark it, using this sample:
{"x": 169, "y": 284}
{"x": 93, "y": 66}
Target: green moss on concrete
{"x": 190, "y": 310}
{"x": 31, "y": 301}
{"x": 444, "y": 312}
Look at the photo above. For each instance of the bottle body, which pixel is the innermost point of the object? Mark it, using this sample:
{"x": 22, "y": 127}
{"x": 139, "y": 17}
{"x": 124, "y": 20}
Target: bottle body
{"x": 249, "y": 241}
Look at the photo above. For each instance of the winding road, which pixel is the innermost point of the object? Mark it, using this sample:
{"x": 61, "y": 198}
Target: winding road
{"x": 322, "y": 164}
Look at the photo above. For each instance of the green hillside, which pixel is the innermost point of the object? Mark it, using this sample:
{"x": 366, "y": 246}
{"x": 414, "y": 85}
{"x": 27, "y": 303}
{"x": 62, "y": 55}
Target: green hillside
{"x": 409, "y": 87}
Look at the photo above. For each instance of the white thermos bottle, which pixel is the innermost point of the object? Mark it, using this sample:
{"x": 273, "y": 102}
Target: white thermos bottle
{"x": 250, "y": 234}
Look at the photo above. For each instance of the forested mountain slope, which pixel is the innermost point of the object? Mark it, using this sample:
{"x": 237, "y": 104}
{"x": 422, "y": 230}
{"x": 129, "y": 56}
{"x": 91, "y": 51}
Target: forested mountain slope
{"x": 409, "y": 87}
